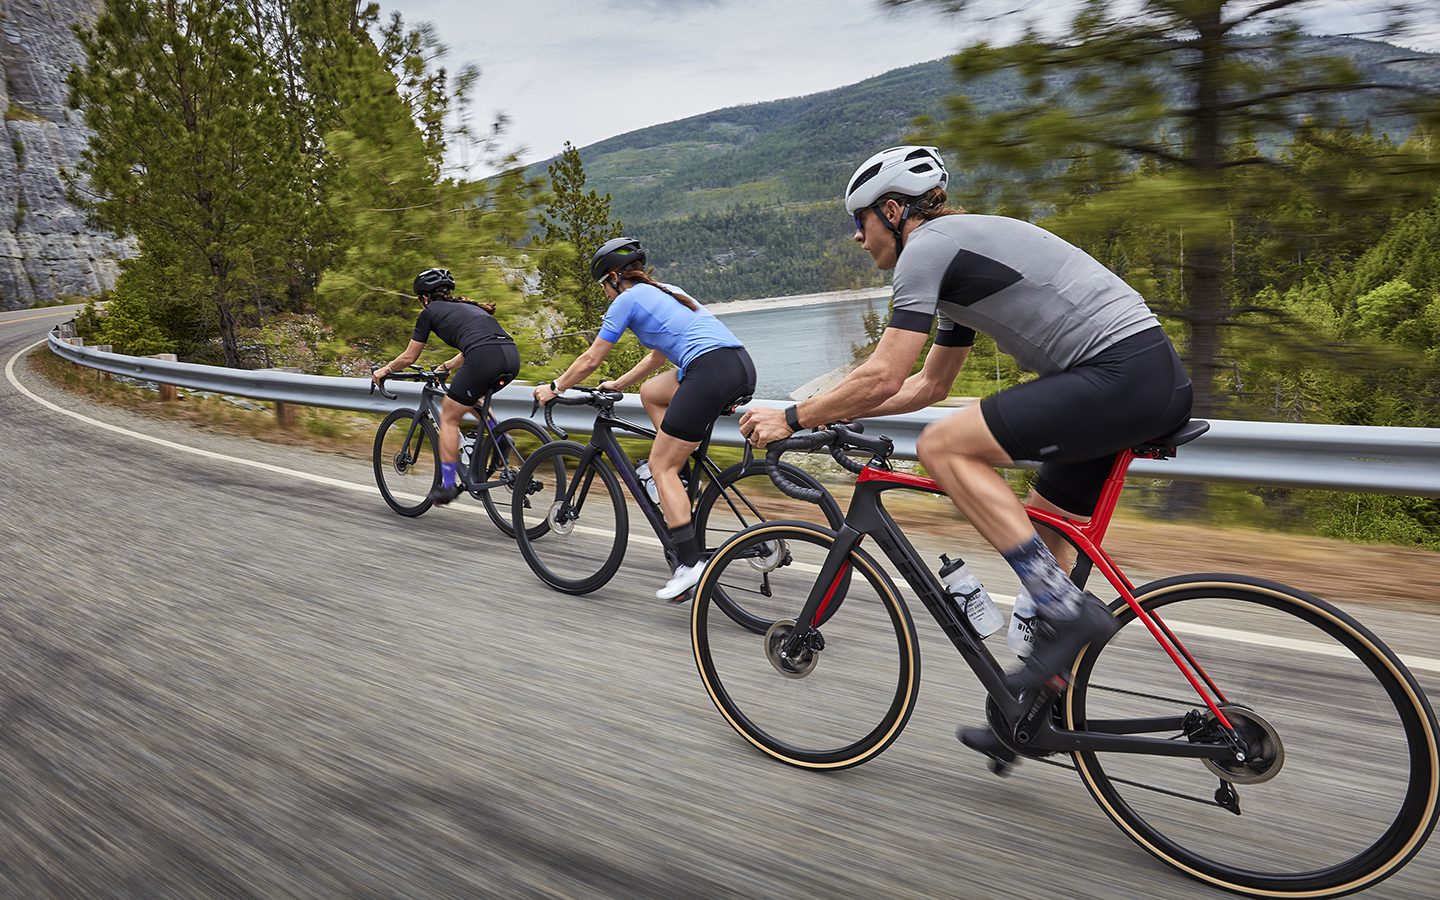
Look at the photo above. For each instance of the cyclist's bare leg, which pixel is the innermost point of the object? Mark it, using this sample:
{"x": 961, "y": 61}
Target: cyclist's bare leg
{"x": 961, "y": 455}
{"x": 451, "y": 412}
{"x": 667, "y": 457}
{"x": 656, "y": 394}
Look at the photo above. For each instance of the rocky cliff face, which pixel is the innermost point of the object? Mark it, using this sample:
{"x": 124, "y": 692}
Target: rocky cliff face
{"x": 46, "y": 248}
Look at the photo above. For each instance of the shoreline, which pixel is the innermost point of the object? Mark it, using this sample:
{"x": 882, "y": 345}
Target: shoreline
{"x": 731, "y": 307}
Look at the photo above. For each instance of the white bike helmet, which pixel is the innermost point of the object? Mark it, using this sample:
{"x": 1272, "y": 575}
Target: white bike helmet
{"x": 909, "y": 171}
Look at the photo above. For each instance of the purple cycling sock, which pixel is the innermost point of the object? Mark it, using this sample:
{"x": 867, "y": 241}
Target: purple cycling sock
{"x": 448, "y": 472}
{"x": 1055, "y": 595}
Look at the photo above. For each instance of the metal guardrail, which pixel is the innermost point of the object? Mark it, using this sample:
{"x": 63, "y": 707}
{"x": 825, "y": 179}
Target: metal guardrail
{"x": 1328, "y": 457}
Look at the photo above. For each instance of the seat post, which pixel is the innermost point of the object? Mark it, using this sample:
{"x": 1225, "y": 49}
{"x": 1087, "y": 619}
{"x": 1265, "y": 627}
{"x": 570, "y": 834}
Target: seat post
{"x": 1109, "y": 497}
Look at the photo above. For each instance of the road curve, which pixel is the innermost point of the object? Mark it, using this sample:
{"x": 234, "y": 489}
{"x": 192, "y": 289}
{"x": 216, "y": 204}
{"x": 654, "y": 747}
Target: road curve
{"x": 223, "y": 680}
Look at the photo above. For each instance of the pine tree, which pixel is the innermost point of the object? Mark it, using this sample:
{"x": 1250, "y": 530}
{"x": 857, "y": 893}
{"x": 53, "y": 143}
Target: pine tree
{"x": 401, "y": 214}
{"x": 192, "y": 155}
{"x": 575, "y": 222}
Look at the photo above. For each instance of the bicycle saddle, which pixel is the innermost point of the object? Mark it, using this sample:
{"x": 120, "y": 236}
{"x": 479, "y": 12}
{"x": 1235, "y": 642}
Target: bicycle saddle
{"x": 730, "y": 408}
{"x": 1165, "y": 445}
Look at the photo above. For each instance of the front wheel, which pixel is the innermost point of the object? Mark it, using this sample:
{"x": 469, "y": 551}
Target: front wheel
{"x": 1339, "y": 787}
{"x": 570, "y": 521}
{"x": 500, "y": 461}
{"x": 847, "y": 691}
{"x": 407, "y": 461}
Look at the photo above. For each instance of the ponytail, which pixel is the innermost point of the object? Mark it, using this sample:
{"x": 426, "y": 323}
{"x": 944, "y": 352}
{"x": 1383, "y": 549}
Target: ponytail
{"x": 487, "y": 306}
{"x": 640, "y": 275}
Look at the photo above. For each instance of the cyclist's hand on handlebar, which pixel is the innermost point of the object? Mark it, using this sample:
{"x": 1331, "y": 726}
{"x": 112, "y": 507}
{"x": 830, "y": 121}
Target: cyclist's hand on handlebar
{"x": 543, "y": 394}
{"x": 609, "y": 386}
{"x": 761, "y": 425}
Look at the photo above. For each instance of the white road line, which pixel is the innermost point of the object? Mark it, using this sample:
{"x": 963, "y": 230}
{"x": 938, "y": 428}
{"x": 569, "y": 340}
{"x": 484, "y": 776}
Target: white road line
{"x": 1425, "y": 663}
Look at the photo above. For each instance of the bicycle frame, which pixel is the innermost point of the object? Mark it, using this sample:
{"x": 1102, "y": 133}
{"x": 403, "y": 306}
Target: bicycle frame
{"x": 603, "y": 443}
{"x": 426, "y": 409}
{"x": 1031, "y": 713}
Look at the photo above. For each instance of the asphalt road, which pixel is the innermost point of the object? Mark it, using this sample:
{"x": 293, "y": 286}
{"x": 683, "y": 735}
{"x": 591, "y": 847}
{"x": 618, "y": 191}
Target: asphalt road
{"x": 223, "y": 680}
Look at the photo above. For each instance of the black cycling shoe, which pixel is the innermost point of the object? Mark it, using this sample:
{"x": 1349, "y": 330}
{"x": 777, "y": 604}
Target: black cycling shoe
{"x": 1058, "y": 643}
{"x": 440, "y": 495}
{"x": 983, "y": 739}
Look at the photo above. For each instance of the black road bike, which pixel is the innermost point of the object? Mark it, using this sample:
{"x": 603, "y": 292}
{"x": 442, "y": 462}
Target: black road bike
{"x": 1280, "y": 750}
{"x": 407, "y": 451}
{"x": 573, "y": 525}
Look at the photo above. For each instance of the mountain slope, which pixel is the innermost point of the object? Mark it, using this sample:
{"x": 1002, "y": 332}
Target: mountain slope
{"x": 744, "y": 201}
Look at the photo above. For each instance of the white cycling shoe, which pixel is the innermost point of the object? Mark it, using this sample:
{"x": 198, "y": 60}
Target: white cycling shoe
{"x": 683, "y": 579}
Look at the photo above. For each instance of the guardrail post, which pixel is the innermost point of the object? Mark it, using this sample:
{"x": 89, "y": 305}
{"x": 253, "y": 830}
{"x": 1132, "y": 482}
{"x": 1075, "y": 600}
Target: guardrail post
{"x": 101, "y": 374}
{"x": 167, "y": 391}
{"x": 284, "y": 412}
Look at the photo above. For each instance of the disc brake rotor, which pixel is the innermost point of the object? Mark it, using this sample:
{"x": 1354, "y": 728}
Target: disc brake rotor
{"x": 774, "y": 552}
{"x": 560, "y": 522}
{"x": 790, "y": 667}
{"x": 1264, "y": 753}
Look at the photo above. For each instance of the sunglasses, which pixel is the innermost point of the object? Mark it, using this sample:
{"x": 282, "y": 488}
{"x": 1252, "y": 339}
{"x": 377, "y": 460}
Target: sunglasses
{"x": 859, "y": 215}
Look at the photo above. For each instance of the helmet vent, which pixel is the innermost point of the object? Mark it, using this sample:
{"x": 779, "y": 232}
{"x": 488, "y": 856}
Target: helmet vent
{"x": 863, "y": 177}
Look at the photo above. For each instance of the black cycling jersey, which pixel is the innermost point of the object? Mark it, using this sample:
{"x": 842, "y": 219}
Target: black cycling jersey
{"x": 459, "y": 324}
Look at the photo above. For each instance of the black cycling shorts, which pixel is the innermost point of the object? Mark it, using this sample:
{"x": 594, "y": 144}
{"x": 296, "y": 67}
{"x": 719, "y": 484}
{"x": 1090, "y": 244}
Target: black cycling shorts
{"x": 713, "y": 382}
{"x": 484, "y": 368}
{"x": 1074, "y": 422}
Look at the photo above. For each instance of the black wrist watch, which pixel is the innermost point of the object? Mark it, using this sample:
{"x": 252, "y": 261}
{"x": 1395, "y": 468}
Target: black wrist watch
{"x": 792, "y": 417}
{"x": 554, "y": 388}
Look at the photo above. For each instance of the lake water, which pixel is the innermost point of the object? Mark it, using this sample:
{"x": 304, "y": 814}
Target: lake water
{"x": 792, "y": 345}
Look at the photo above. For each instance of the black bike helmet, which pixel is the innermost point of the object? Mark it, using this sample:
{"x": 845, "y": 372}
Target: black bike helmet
{"x": 432, "y": 280}
{"x": 616, "y": 253}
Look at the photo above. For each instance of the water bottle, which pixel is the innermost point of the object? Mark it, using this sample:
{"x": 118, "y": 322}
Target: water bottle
{"x": 642, "y": 472}
{"x": 970, "y": 597}
{"x": 1021, "y": 636}
{"x": 467, "y": 446}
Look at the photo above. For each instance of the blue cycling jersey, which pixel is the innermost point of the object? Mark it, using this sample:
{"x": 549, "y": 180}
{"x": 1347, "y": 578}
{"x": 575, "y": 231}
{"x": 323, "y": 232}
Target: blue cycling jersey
{"x": 663, "y": 323}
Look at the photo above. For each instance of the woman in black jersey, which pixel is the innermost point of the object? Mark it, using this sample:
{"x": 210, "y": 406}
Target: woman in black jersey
{"x": 488, "y": 359}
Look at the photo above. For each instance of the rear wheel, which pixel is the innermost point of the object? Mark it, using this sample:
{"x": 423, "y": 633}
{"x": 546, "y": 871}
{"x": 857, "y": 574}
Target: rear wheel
{"x": 1339, "y": 785}
{"x": 847, "y": 691}
{"x": 571, "y": 522}
{"x": 500, "y": 460}
{"x": 407, "y": 461}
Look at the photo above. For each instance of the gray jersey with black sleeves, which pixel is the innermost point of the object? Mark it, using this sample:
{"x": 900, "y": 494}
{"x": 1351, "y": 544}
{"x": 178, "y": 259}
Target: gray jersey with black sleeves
{"x": 1045, "y": 301}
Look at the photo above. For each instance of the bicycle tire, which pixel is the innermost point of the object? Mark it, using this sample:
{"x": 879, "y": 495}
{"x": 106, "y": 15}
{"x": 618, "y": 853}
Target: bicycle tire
{"x": 505, "y": 465}
{"x": 405, "y": 475}
{"x": 724, "y": 510}
{"x": 558, "y": 543}
{"x": 1305, "y": 647}
{"x": 816, "y": 713}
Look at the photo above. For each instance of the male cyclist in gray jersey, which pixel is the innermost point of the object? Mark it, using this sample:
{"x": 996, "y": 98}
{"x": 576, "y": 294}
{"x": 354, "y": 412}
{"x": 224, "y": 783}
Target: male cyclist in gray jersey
{"x": 1108, "y": 379}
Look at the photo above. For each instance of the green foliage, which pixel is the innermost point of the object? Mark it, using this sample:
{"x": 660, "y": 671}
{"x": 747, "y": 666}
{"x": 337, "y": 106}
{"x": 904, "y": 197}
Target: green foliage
{"x": 193, "y": 156}
{"x": 402, "y": 217}
{"x": 574, "y": 222}
{"x": 1182, "y": 110}
{"x": 125, "y": 324}
{"x": 1378, "y": 519}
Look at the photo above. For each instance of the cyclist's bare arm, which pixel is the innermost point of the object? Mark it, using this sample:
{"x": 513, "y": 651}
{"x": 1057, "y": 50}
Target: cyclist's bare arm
{"x": 406, "y": 357}
{"x": 453, "y": 362}
{"x": 873, "y": 384}
{"x": 928, "y": 386}
{"x": 653, "y": 362}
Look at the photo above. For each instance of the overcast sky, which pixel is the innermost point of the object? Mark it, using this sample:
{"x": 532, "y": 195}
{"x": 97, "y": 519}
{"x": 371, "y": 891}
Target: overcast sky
{"x": 585, "y": 70}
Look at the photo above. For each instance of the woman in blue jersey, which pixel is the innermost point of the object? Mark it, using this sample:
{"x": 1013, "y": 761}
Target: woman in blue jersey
{"x": 712, "y": 371}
